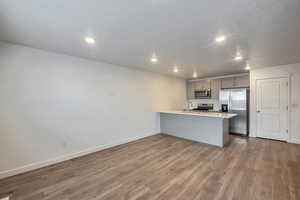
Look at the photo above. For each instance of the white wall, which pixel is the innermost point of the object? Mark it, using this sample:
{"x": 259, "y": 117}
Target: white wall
{"x": 292, "y": 71}
{"x": 54, "y": 107}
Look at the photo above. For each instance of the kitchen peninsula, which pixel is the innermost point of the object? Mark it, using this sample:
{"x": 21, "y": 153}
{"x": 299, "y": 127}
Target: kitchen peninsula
{"x": 206, "y": 127}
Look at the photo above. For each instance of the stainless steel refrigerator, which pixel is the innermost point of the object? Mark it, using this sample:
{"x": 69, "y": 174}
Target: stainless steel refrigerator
{"x": 238, "y": 102}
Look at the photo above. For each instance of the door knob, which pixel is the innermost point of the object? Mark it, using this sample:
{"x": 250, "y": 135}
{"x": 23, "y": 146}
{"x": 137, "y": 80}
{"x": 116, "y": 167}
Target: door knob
{"x": 258, "y": 111}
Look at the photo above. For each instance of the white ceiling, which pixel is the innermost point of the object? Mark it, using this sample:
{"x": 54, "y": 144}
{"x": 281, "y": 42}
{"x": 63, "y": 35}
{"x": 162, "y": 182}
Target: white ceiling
{"x": 127, "y": 32}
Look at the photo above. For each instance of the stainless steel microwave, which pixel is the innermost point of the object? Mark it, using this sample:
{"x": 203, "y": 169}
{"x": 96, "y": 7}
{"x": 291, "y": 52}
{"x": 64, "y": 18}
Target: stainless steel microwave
{"x": 202, "y": 94}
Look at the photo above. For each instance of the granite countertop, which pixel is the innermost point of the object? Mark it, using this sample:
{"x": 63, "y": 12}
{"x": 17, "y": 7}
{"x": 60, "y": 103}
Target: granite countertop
{"x": 202, "y": 114}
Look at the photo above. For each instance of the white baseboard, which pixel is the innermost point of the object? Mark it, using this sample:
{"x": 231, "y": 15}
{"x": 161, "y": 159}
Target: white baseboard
{"x": 37, "y": 165}
{"x": 295, "y": 141}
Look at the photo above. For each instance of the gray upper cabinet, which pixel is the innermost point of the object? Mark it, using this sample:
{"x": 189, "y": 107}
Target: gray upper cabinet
{"x": 197, "y": 85}
{"x": 227, "y": 83}
{"x": 206, "y": 84}
{"x": 202, "y": 84}
{"x": 190, "y": 90}
{"x": 215, "y": 88}
{"x": 235, "y": 82}
{"x": 215, "y": 85}
{"x": 242, "y": 81}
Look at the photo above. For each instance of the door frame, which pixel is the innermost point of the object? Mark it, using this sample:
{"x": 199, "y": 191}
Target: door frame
{"x": 254, "y": 77}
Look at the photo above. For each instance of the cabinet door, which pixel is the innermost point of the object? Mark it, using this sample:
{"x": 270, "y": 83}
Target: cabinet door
{"x": 202, "y": 85}
{"x": 215, "y": 88}
{"x": 242, "y": 81}
{"x": 199, "y": 85}
{"x": 190, "y": 90}
{"x": 206, "y": 84}
{"x": 227, "y": 83}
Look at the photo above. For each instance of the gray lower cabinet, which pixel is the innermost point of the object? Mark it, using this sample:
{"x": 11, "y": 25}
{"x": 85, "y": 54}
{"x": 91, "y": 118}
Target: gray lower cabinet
{"x": 209, "y": 130}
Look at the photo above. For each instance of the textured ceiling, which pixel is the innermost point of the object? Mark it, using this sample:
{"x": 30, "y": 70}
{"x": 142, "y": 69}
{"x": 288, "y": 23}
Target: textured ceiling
{"x": 128, "y": 32}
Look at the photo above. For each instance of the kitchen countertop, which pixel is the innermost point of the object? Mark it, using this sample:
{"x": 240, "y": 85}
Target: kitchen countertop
{"x": 202, "y": 114}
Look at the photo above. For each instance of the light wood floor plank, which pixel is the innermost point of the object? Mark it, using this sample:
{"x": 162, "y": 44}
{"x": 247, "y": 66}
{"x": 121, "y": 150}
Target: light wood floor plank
{"x": 162, "y": 167}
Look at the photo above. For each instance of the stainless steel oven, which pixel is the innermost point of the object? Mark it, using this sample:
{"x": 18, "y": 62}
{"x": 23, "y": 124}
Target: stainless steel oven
{"x": 202, "y": 94}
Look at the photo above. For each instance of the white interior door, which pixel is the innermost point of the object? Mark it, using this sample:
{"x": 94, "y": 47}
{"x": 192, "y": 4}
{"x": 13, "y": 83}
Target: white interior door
{"x": 272, "y": 108}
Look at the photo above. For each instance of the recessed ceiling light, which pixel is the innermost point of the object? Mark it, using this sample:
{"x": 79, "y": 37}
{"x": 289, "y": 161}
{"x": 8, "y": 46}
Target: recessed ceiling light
{"x": 175, "y": 70}
{"x": 153, "y": 59}
{"x": 238, "y": 57}
{"x": 89, "y": 40}
{"x": 195, "y": 75}
{"x": 247, "y": 66}
{"x": 221, "y": 39}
